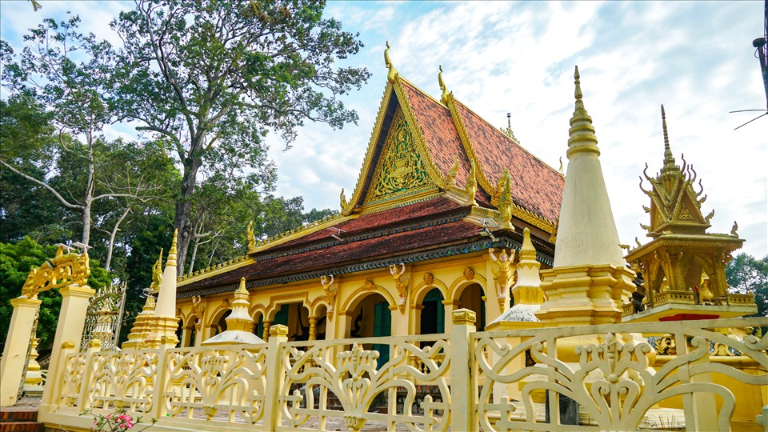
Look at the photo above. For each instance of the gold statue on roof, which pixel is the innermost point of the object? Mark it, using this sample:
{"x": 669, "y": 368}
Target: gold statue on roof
{"x": 392, "y": 75}
{"x": 250, "y": 236}
{"x": 157, "y": 274}
{"x": 444, "y": 97}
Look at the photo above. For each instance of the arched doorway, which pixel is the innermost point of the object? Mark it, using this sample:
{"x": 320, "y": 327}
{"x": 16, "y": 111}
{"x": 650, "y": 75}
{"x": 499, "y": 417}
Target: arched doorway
{"x": 432, "y": 319}
{"x": 296, "y": 317}
{"x": 471, "y": 298}
{"x": 371, "y": 317}
{"x": 258, "y": 325}
{"x": 321, "y": 322}
{"x": 190, "y": 332}
{"x": 220, "y": 325}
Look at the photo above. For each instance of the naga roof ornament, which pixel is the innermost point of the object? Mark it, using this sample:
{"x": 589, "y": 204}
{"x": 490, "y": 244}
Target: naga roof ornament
{"x": 392, "y": 75}
{"x": 444, "y": 96}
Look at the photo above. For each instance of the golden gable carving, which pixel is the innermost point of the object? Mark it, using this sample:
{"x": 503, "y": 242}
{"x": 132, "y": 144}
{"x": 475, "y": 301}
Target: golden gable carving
{"x": 400, "y": 171}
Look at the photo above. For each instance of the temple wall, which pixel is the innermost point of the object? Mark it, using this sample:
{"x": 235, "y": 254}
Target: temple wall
{"x": 459, "y": 280}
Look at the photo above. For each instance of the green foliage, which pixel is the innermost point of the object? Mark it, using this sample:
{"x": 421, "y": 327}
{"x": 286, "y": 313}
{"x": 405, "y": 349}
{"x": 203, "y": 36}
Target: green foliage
{"x": 746, "y": 273}
{"x": 214, "y": 77}
{"x": 16, "y": 259}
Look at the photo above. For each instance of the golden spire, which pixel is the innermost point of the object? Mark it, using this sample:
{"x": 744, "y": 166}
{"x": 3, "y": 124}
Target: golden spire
{"x": 444, "y": 97}
{"x": 172, "y": 253}
{"x": 241, "y": 289}
{"x": 669, "y": 160}
{"x": 582, "y": 133}
{"x": 527, "y": 252}
{"x": 392, "y": 71}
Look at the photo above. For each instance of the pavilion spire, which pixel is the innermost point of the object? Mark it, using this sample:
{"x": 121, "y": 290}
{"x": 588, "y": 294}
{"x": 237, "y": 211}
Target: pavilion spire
{"x": 669, "y": 159}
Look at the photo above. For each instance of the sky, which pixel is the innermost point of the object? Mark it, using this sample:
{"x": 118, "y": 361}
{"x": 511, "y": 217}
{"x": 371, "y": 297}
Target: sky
{"x": 696, "y": 58}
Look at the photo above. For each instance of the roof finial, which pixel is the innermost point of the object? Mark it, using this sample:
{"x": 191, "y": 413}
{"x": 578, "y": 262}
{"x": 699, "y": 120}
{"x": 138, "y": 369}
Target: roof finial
{"x": 669, "y": 159}
{"x": 582, "y": 133}
{"x": 172, "y": 253}
{"x": 444, "y": 97}
{"x": 392, "y": 71}
{"x": 577, "y": 93}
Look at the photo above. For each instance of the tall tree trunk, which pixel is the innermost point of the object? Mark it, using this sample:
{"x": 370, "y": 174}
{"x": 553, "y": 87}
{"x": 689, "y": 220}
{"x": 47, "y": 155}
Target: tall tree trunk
{"x": 87, "y": 201}
{"x": 183, "y": 210}
{"x": 112, "y": 237}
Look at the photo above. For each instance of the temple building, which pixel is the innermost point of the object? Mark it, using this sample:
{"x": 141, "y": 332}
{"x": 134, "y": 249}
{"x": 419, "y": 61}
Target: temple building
{"x": 452, "y": 228}
{"x": 433, "y": 225}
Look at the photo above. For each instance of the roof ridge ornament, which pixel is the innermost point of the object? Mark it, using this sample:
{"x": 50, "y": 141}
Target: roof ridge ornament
{"x": 669, "y": 159}
{"x": 392, "y": 75}
{"x": 444, "y": 96}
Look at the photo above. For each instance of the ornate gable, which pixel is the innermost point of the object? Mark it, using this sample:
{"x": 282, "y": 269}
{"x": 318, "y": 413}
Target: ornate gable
{"x": 400, "y": 170}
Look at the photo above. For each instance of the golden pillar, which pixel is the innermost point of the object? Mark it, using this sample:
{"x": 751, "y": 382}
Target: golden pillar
{"x": 312, "y": 328}
{"x": 16, "y": 347}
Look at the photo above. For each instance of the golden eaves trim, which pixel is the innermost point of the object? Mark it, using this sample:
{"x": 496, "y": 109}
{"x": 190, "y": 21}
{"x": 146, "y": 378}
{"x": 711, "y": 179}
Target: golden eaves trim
{"x": 366, "y": 166}
{"x": 214, "y": 270}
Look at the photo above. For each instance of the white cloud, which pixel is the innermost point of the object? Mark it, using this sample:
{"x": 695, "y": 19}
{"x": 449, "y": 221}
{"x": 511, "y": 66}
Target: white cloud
{"x": 499, "y": 57}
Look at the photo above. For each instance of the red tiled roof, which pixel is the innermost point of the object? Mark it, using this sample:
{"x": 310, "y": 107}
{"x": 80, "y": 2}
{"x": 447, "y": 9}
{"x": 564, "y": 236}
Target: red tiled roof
{"x": 440, "y": 134}
{"x": 345, "y": 253}
{"x": 383, "y": 218}
{"x": 535, "y": 186}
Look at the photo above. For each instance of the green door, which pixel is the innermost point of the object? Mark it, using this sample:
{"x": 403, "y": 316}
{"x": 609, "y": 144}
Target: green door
{"x": 281, "y": 317}
{"x": 382, "y": 327}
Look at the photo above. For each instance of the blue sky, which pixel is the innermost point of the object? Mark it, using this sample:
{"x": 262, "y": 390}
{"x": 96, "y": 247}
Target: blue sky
{"x": 694, "y": 57}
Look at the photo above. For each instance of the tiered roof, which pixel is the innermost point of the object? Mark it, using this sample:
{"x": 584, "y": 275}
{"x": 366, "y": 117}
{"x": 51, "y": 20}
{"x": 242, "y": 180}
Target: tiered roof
{"x": 432, "y": 174}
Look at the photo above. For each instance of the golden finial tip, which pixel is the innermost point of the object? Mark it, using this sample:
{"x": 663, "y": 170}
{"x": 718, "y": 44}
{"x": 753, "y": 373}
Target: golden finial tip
{"x": 577, "y": 81}
{"x": 387, "y": 44}
{"x": 242, "y": 288}
{"x": 663, "y": 114}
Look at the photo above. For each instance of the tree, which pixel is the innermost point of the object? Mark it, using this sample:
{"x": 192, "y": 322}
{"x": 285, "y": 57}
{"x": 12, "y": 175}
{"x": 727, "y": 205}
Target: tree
{"x": 64, "y": 74}
{"x": 213, "y": 77}
{"x": 745, "y": 273}
{"x": 26, "y": 208}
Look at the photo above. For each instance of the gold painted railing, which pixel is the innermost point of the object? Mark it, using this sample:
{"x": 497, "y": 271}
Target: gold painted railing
{"x": 464, "y": 380}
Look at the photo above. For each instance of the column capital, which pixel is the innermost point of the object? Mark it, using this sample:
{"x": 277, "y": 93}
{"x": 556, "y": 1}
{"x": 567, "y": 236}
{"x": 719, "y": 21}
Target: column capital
{"x": 278, "y": 330}
{"x": 463, "y": 316}
{"x": 77, "y": 291}
{"x": 23, "y": 301}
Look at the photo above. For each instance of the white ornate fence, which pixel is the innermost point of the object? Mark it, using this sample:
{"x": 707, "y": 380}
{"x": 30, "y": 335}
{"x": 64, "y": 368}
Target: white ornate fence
{"x": 430, "y": 382}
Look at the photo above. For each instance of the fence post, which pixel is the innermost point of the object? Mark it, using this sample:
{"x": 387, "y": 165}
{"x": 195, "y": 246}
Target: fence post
{"x": 278, "y": 335}
{"x": 463, "y": 392}
{"x": 16, "y": 347}
{"x": 74, "y": 307}
{"x": 161, "y": 378}
{"x": 93, "y": 346}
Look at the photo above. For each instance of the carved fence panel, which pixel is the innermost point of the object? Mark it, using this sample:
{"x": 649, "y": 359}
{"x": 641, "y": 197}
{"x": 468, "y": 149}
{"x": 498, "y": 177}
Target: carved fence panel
{"x": 344, "y": 379}
{"x": 217, "y": 384}
{"x": 612, "y": 379}
{"x": 490, "y": 381}
{"x": 122, "y": 380}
